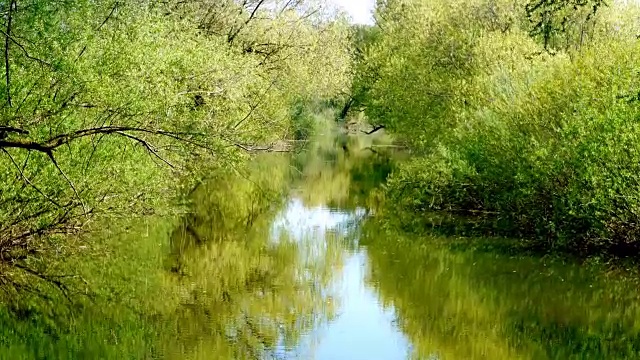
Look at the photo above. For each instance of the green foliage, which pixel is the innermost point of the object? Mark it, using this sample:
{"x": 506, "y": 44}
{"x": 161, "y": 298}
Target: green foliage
{"x": 562, "y": 23}
{"x": 546, "y": 144}
{"x": 117, "y": 109}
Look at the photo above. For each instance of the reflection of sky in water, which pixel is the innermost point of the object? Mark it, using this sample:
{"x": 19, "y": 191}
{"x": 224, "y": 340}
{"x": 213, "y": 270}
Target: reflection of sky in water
{"x": 300, "y": 222}
{"x": 363, "y": 329}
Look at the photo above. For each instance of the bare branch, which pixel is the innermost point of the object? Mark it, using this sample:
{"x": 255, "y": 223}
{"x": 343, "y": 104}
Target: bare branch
{"x": 7, "y": 70}
{"x": 26, "y": 180}
{"x": 64, "y": 175}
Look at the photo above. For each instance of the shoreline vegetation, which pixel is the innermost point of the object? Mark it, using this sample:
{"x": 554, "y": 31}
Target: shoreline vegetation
{"x": 520, "y": 114}
{"x": 137, "y": 190}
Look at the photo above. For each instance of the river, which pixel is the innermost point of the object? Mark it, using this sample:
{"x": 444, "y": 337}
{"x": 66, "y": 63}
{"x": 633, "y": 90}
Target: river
{"x": 274, "y": 266}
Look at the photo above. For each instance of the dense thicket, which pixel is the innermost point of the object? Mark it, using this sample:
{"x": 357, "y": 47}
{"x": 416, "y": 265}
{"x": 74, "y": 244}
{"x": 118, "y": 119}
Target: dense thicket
{"x": 527, "y": 111}
{"x": 113, "y": 107}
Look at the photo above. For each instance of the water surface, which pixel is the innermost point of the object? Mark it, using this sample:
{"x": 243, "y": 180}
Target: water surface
{"x": 269, "y": 266}
{"x": 362, "y": 327}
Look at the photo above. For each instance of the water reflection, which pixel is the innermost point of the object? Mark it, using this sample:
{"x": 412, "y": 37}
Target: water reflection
{"x": 339, "y": 179}
{"x": 285, "y": 280}
{"x": 361, "y": 327}
{"x": 457, "y": 300}
{"x": 269, "y": 268}
{"x": 299, "y": 221}
{"x": 245, "y": 290}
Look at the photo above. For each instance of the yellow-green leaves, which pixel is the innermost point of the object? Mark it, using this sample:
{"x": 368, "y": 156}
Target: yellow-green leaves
{"x": 139, "y": 96}
{"x": 509, "y": 122}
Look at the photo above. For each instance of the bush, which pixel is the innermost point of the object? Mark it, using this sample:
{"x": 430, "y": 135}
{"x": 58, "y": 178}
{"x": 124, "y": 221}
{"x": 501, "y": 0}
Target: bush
{"x": 545, "y": 142}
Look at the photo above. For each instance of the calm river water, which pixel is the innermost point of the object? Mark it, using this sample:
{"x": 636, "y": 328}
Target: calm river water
{"x": 317, "y": 274}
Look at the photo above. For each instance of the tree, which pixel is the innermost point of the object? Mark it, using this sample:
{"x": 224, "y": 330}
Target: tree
{"x": 509, "y": 106}
{"x": 109, "y": 104}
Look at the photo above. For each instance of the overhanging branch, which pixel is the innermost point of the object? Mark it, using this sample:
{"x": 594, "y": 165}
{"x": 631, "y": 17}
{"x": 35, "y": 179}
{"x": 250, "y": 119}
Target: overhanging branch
{"x": 55, "y": 142}
{"x": 375, "y": 129}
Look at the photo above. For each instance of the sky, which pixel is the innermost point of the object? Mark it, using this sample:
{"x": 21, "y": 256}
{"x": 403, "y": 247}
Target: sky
{"x": 359, "y": 10}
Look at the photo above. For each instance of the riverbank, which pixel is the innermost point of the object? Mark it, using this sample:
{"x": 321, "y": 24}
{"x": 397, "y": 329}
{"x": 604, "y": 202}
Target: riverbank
{"x": 537, "y": 130}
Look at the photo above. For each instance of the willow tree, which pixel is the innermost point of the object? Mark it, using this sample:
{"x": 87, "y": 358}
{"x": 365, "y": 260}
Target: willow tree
{"x": 107, "y": 105}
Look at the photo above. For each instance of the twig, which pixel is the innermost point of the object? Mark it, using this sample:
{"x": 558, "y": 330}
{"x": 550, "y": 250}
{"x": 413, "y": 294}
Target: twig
{"x": 7, "y": 70}
{"x": 73, "y": 187}
{"x": 148, "y": 146}
{"x": 8, "y": 129}
{"x": 113, "y": 10}
{"x": 27, "y": 95}
{"x": 45, "y": 229}
{"x": 29, "y": 181}
{"x": 24, "y": 50}
{"x": 61, "y": 286}
{"x": 232, "y": 35}
{"x": 254, "y": 107}
{"x": 94, "y": 145}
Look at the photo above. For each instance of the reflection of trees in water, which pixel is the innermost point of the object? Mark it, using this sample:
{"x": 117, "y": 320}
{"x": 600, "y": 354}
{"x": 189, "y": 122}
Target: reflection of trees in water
{"x": 436, "y": 308}
{"x": 242, "y": 294}
{"x": 341, "y": 173}
{"x": 462, "y": 301}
